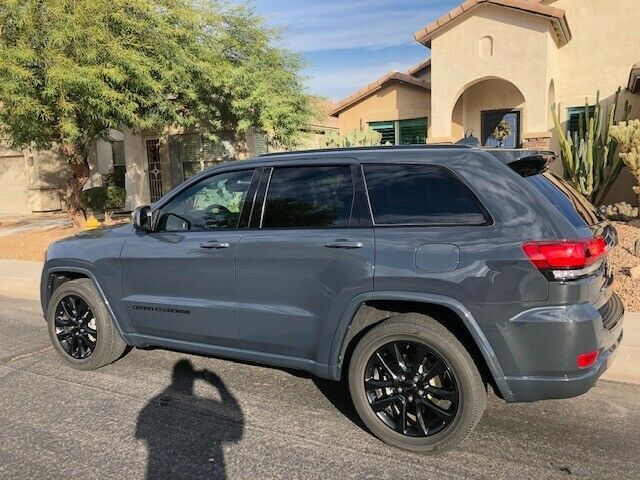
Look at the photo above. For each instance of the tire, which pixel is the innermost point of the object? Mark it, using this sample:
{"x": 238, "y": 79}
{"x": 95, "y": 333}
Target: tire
{"x": 108, "y": 347}
{"x": 463, "y": 382}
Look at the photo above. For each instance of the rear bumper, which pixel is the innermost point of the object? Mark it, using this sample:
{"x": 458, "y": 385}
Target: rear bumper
{"x": 559, "y": 337}
{"x": 530, "y": 389}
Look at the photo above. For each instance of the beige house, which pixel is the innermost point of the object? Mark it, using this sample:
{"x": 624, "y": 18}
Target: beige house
{"x": 507, "y": 60}
{"x": 146, "y": 165}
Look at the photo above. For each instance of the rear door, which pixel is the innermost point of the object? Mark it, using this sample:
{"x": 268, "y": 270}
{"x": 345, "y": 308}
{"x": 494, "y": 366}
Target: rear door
{"x": 425, "y": 220}
{"x": 309, "y": 254}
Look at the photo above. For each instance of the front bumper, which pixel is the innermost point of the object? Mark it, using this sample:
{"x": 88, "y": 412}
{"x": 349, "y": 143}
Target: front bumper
{"x": 558, "y": 337}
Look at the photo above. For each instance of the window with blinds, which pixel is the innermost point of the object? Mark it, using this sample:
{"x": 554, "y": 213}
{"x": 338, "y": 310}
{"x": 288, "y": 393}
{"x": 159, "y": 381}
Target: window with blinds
{"x": 413, "y": 132}
{"x": 192, "y": 153}
{"x": 119, "y": 165}
{"x": 573, "y": 118}
{"x": 387, "y": 130}
{"x": 402, "y": 132}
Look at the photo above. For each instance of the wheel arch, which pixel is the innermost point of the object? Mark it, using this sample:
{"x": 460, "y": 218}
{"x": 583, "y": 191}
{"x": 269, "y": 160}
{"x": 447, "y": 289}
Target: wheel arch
{"x": 55, "y": 276}
{"x": 367, "y": 311}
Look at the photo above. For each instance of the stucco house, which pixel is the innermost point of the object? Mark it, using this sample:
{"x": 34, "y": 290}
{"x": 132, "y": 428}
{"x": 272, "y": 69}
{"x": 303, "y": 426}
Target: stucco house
{"x": 145, "y": 164}
{"x": 507, "y": 60}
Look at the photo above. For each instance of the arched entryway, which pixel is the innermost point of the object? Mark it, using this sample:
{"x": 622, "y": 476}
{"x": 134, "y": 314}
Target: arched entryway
{"x": 491, "y": 109}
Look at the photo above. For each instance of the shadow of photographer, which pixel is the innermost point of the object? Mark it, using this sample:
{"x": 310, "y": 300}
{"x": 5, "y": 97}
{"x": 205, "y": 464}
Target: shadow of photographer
{"x": 185, "y": 433}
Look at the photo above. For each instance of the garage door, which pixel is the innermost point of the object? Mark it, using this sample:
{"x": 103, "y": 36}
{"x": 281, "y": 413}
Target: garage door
{"x": 13, "y": 186}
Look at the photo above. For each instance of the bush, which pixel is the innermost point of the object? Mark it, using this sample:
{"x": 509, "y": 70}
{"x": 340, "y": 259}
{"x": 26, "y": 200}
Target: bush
{"x": 100, "y": 199}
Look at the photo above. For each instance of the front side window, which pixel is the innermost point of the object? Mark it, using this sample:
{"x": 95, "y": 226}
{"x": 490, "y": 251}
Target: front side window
{"x": 402, "y": 194}
{"x": 309, "y": 197}
{"x": 213, "y": 203}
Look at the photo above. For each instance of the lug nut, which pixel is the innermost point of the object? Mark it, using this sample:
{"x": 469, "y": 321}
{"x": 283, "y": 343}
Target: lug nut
{"x": 399, "y": 389}
{"x": 402, "y": 377}
{"x": 421, "y": 392}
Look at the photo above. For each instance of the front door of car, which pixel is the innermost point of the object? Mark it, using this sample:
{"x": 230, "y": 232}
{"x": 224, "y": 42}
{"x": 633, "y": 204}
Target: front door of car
{"x": 308, "y": 255}
{"x": 179, "y": 280}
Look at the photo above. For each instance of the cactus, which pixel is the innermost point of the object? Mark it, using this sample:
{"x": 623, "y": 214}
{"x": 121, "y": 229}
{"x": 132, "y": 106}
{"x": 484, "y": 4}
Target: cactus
{"x": 589, "y": 155}
{"x": 627, "y": 134}
{"x": 355, "y": 138}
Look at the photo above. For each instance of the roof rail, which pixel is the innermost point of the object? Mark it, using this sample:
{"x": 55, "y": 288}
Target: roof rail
{"x": 433, "y": 146}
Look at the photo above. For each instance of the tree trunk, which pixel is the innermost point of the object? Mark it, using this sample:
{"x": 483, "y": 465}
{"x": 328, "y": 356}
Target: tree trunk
{"x": 79, "y": 177}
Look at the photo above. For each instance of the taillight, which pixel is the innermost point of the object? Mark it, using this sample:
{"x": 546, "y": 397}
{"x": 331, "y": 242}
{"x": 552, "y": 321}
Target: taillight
{"x": 585, "y": 360}
{"x": 563, "y": 255}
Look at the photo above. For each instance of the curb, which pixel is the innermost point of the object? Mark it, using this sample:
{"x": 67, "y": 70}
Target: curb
{"x": 626, "y": 364}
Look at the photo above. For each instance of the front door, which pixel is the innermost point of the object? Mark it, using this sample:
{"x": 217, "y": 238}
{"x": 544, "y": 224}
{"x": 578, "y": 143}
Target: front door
{"x": 500, "y": 128}
{"x": 179, "y": 280}
{"x": 308, "y": 256}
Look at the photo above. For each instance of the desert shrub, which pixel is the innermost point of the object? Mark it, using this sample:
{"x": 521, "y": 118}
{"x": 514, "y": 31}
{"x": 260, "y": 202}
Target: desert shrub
{"x": 100, "y": 199}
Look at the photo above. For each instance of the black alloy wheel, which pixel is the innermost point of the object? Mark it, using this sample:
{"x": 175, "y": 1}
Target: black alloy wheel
{"x": 75, "y": 327}
{"x": 411, "y": 388}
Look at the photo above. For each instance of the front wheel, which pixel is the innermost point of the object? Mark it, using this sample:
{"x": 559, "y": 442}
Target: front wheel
{"x": 80, "y": 327}
{"x": 415, "y": 385}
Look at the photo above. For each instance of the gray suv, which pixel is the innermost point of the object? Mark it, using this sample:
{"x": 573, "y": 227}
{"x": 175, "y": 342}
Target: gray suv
{"x": 420, "y": 275}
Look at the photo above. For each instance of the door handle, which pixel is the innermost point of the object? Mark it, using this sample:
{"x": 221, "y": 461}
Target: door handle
{"x": 344, "y": 244}
{"x": 214, "y": 244}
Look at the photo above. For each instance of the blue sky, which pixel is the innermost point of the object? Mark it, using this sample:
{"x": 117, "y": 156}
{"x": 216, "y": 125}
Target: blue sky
{"x": 349, "y": 43}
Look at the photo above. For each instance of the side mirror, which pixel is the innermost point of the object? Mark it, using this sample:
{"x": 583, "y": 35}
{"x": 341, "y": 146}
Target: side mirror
{"x": 142, "y": 218}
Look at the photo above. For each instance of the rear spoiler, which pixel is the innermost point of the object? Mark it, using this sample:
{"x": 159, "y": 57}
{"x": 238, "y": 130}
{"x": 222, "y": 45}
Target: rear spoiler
{"x": 524, "y": 162}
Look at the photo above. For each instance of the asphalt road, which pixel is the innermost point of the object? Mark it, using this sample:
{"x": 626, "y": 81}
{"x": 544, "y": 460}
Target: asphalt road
{"x": 163, "y": 414}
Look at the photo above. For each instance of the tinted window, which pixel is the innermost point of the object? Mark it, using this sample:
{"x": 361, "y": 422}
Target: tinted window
{"x": 419, "y": 194}
{"x": 215, "y": 202}
{"x": 573, "y": 206}
{"x": 309, "y": 197}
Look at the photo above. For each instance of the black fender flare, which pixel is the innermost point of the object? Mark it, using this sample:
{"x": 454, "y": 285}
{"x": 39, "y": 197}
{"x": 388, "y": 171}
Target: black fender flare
{"x": 346, "y": 330}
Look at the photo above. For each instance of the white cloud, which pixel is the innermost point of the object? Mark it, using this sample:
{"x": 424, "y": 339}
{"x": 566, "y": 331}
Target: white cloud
{"x": 350, "y": 24}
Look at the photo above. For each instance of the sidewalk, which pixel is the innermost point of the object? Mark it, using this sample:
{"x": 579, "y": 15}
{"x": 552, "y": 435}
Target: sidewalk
{"x": 20, "y": 279}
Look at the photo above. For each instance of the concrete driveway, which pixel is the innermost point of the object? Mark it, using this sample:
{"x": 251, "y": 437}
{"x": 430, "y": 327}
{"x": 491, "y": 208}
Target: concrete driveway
{"x": 163, "y": 414}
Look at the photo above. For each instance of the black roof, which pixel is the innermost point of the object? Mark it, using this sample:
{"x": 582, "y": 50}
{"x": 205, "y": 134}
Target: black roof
{"x": 434, "y": 146}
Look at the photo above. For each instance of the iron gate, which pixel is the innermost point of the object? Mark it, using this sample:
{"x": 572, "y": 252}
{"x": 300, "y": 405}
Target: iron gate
{"x": 155, "y": 172}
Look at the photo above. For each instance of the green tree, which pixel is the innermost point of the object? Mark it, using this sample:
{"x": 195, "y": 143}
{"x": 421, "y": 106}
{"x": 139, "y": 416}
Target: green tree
{"x": 72, "y": 69}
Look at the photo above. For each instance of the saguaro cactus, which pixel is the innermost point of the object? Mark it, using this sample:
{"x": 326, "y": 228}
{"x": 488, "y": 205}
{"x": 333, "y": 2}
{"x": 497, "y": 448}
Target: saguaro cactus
{"x": 589, "y": 154}
{"x": 627, "y": 134}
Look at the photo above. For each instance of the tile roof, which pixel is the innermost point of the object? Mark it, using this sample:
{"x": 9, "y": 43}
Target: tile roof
{"x": 419, "y": 66}
{"x": 377, "y": 85}
{"x": 555, "y": 15}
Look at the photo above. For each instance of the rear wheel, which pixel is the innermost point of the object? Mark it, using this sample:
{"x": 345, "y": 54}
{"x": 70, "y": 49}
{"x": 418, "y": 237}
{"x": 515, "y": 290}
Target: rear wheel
{"x": 415, "y": 386}
{"x": 80, "y": 327}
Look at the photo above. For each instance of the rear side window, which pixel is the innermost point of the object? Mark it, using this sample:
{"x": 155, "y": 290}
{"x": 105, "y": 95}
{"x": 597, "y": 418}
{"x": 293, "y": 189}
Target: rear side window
{"x": 309, "y": 197}
{"x": 570, "y": 203}
{"x": 403, "y": 194}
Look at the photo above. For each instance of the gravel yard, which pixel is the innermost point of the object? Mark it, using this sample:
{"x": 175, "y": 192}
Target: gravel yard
{"x": 31, "y": 245}
{"x": 623, "y": 259}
